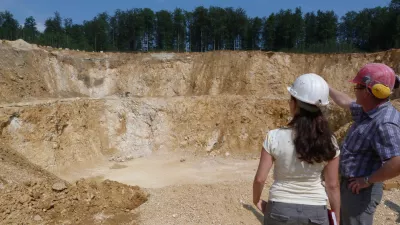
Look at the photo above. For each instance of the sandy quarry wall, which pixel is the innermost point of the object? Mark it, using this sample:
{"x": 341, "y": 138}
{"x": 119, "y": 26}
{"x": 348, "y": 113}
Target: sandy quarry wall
{"x": 59, "y": 107}
{"x": 54, "y": 133}
{"x": 28, "y": 72}
{"x": 57, "y": 134}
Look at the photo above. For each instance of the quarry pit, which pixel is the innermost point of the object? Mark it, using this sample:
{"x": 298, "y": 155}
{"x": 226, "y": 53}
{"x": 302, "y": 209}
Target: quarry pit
{"x": 151, "y": 138}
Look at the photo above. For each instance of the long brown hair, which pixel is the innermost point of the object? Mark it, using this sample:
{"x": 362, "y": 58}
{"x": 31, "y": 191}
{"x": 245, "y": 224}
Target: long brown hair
{"x": 313, "y": 137}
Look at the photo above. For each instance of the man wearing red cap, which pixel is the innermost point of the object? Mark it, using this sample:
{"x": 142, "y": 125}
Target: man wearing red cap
{"x": 370, "y": 152}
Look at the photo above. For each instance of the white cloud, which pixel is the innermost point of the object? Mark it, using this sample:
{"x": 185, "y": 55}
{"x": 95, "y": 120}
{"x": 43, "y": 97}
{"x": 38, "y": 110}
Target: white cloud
{"x": 40, "y": 26}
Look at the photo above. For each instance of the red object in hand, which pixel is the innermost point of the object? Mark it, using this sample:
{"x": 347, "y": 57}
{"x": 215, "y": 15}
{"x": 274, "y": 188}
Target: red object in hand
{"x": 332, "y": 217}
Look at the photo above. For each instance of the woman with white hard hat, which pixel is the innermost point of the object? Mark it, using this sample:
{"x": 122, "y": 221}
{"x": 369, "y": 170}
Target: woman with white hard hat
{"x": 301, "y": 153}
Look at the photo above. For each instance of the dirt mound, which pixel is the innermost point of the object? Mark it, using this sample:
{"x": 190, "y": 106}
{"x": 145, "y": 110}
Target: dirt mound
{"x": 85, "y": 202}
{"x": 21, "y": 45}
{"x": 15, "y": 168}
{"x": 32, "y": 195}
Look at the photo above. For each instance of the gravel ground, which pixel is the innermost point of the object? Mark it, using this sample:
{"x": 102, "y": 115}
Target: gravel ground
{"x": 227, "y": 203}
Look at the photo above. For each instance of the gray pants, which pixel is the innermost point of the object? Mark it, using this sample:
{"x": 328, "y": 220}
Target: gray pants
{"x": 359, "y": 209}
{"x": 284, "y": 213}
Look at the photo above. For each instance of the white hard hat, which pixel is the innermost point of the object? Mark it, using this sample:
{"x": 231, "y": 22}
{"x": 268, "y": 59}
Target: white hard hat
{"x": 310, "y": 88}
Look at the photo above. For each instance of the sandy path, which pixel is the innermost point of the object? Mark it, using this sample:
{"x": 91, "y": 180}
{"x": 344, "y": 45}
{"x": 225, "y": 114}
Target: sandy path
{"x": 161, "y": 170}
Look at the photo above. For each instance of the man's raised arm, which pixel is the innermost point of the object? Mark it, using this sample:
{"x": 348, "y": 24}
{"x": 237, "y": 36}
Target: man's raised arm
{"x": 340, "y": 98}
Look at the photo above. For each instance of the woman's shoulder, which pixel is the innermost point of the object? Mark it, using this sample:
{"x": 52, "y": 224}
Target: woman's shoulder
{"x": 278, "y": 132}
{"x": 281, "y": 129}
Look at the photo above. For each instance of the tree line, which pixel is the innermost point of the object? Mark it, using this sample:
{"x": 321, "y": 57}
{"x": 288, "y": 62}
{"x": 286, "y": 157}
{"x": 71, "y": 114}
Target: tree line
{"x": 216, "y": 28}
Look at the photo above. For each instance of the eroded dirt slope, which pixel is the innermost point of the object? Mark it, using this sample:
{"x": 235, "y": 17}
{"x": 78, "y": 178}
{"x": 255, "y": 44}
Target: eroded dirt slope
{"x": 28, "y": 72}
{"x": 59, "y": 134}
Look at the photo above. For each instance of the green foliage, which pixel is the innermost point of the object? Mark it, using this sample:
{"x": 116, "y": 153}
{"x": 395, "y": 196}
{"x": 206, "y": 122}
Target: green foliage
{"x": 164, "y": 30}
{"x": 9, "y": 27}
{"x": 216, "y": 28}
{"x": 30, "y": 32}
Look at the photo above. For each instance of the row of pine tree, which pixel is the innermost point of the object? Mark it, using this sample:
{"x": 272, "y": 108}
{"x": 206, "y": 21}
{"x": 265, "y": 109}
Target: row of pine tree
{"x": 215, "y": 28}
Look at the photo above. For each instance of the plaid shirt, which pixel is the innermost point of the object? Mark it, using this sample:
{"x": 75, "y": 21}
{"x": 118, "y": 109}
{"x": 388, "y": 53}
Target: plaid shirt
{"x": 373, "y": 139}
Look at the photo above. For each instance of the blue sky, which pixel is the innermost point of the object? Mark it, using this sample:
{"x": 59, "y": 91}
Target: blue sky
{"x": 80, "y": 10}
